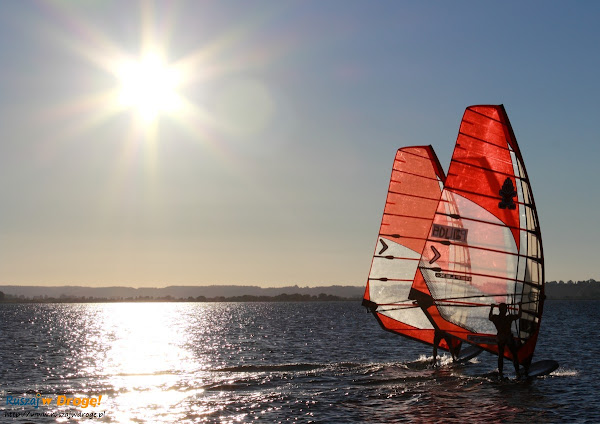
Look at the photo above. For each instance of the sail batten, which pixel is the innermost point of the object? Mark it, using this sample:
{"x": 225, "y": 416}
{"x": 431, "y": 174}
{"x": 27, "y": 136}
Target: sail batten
{"x": 414, "y": 196}
{"x": 416, "y": 175}
{"x": 483, "y": 168}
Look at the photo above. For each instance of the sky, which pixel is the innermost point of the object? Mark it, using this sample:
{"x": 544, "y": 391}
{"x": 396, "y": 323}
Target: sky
{"x": 271, "y": 163}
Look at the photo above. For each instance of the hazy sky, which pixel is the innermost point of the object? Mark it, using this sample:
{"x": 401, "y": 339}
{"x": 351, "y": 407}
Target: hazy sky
{"x": 274, "y": 168}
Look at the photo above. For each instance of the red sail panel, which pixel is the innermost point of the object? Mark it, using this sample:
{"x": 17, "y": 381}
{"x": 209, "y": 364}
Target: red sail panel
{"x": 487, "y": 236}
{"x": 415, "y": 187}
{"x": 482, "y": 162}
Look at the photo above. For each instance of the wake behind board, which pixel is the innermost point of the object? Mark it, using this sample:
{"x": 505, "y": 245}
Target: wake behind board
{"x": 468, "y": 353}
{"x": 540, "y": 368}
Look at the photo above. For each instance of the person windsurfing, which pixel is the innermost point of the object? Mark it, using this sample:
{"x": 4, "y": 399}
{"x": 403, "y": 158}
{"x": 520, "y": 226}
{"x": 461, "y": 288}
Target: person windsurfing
{"x": 503, "y": 322}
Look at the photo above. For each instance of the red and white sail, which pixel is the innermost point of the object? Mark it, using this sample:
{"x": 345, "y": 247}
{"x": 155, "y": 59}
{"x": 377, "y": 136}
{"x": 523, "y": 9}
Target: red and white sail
{"x": 486, "y": 214}
{"x": 414, "y": 192}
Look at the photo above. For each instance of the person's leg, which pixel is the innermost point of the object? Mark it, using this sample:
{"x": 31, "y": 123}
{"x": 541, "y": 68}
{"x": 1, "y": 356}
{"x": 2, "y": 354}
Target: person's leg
{"x": 436, "y": 342}
{"x": 513, "y": 350}
{"x": 451, "y": 347}
{"x": 500, "y": 358}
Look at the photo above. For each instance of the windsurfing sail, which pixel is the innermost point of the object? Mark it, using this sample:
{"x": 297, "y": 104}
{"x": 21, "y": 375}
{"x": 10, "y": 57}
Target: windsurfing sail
{"x": 414, "y": 192}
{"x": 484, "y": 246}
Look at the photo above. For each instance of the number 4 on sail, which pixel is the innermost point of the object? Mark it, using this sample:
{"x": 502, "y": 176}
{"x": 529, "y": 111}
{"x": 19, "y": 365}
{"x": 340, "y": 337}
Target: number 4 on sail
{"x": 450, "y": 247}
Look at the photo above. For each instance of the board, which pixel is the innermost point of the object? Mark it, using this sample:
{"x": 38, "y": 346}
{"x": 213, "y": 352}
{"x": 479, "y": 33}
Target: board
{"x": 540, "y": 368}
{"x": 468, "y": 353}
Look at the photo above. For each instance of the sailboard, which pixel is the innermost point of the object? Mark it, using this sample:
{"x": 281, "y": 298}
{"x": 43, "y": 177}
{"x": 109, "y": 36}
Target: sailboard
{"x": 468, "y": 353}
{"x": 541, "y": 368}
{"x": 481, "y": 245}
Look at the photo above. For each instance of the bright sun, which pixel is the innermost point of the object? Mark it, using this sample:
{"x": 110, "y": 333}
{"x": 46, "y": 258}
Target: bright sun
{"x": 149, "y": 86}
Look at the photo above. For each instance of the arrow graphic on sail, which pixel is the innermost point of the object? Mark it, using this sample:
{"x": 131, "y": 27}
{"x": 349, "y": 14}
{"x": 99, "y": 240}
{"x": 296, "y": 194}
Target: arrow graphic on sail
{"x": 384, "y": 248}
{"x": 436, "y": 255}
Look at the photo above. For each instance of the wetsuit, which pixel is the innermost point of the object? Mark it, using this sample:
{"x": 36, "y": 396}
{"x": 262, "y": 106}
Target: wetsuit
{"x": 505, "y": 339}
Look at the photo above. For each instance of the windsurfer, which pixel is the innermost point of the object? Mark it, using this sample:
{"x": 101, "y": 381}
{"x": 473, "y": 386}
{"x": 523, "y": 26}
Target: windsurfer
{"x": 503, "y": 322}
{"x": 437, "y": 338}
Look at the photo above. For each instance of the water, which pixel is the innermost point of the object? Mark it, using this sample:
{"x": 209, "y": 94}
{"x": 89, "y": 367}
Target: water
{"x": 276, "y": 362}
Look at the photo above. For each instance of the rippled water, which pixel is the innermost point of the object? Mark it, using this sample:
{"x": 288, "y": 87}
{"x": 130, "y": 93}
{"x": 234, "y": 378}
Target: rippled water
{"x": 277, "y": 362}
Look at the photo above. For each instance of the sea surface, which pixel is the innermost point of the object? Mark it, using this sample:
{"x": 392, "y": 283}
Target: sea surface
{"x": 325, "y": 362}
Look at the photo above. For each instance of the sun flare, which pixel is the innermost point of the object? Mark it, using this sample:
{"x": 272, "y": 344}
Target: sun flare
{"x": 149, "y": 87}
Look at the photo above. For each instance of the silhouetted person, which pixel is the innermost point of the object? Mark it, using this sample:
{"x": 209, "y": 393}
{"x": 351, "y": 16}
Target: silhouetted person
{"x": 437, "y": 338}
{"x": 503, "y": 322}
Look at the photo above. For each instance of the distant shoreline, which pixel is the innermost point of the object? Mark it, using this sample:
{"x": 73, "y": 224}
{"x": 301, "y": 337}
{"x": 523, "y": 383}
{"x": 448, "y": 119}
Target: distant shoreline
{"x": 200, "y": 299}
{"x": 581, "y": 290}
{"x": 214, "y": 293}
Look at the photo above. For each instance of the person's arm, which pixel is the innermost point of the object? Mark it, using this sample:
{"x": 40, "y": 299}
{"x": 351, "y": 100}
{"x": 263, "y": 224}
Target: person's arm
{"x": 515, "y": 317}
{"x": 491, "y": 311}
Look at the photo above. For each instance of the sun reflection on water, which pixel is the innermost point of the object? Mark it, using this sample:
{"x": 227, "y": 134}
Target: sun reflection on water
{"x": 146, "y": 340}
{"x": 148, "y": 361}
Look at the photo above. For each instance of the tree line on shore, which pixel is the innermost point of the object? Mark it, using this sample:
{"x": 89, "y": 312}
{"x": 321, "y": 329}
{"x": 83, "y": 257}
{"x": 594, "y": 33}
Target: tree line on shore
{"x": 580, "y": 290}
{"x": 284, "y": 297}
